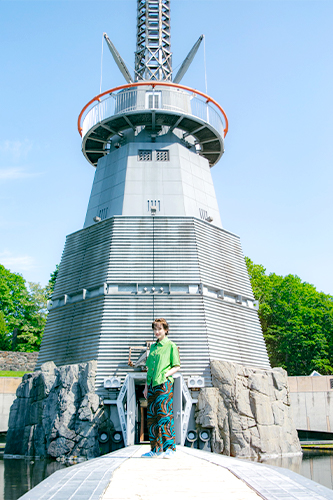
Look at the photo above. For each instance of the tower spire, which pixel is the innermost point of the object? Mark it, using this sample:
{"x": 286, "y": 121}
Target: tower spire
{"x": 153, "y": 46}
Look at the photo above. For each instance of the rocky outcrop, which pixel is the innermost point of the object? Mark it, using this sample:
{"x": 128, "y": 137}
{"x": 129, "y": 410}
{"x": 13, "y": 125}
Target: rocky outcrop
{"x": 56, "y": 413}
{"x": 248, "y": 411}
{"x": 18, "y": 361}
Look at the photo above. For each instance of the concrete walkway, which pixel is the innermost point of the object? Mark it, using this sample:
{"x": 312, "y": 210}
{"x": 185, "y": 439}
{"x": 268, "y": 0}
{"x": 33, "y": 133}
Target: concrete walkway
{"x": 183, "y": 476}
{"x": 191, "y": 474}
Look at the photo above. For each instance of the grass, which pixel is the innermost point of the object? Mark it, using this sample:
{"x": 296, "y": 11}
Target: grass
{"x": 8, "y": 373}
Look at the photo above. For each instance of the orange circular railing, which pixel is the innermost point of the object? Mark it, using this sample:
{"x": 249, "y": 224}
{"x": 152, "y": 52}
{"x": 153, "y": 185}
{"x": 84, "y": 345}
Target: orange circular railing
{"x": 153, "y": 85}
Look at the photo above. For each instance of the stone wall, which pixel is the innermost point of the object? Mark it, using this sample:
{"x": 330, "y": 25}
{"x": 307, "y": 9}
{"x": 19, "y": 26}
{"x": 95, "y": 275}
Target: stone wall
{"x": 57, "y": 413}
{"x": 248, "y": 411}
{"x": 312, "y": 402}
{"x": 18, "y": 361}
{"x": 8, "y": 386}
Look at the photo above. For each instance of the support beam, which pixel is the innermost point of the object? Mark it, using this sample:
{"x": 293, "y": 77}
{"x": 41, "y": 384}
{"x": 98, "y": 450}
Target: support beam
{"x": 118, "y": 60}
{"x": 129, "y": 122}
{"x": 90, "y": 138}
{"x": 109, "y": 129}
{"x": 187, "y": 61}
{"x": 153, "y": 113}
{"x": 176, "y": 124}
{"x": 96, "y": 151}
{"x": 194, "y": 131}
{"x": 208, "y": 140}
{"x": 205, "y": 153}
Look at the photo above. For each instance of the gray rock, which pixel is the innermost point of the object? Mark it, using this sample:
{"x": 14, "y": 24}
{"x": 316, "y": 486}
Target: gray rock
{"x": 262, "y": 408}
{"x": 68, "y": 375}
{"x": 63, "y": 431}
{"x": 14, "y": 436}
{"x": 248, "y": 412}
{"x": 39, "y": 441}
{"x": 83, "y": 429}
{"x": 50, "y": 376}
{"x": 243, "y": 403}
{"x": 24, "y": 388}
{"x": 278, "y": 376}
{"x": 34, "y": 413}
{"x": 57, "y": 413}
{"x": 87, "y": 376}
{"x": 60, "y": 446}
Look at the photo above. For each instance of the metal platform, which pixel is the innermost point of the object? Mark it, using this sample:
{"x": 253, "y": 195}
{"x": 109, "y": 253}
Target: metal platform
{"x": 159, "y": 106}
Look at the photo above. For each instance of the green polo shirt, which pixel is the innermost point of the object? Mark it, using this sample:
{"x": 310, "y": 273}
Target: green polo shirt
{"x": 162, "y": 357}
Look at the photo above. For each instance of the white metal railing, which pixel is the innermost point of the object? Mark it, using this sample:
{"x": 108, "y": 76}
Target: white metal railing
{"x": 168, "y": 99}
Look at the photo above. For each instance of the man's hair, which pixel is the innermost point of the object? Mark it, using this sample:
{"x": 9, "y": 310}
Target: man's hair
{"x": 163, "y": 322}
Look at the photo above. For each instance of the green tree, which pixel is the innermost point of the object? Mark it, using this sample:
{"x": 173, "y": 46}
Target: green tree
{"x": 297, "y": 321}
{"x": 4, "y": 336}
{"x": 51, "y": 284}
{"x": 23, "y": 312}
{"x": 31, "y": 331}
{"x": 14, "y": 298}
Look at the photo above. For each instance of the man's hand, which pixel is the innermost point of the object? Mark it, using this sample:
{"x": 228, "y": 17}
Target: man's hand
{"x": 145, "y": 391}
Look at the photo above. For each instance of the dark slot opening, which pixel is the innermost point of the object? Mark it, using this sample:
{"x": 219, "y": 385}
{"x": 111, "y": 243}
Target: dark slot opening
{"x": 141, "y": 428}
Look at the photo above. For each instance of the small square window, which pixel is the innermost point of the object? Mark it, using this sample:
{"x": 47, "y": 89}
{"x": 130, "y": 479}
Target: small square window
{"x": 144, "y": 155}
{"x": 162, "y": 155}
{"x": 331, "y": 383}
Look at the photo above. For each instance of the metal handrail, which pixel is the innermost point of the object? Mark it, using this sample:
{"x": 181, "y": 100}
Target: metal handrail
{"x": 99, "y": 113}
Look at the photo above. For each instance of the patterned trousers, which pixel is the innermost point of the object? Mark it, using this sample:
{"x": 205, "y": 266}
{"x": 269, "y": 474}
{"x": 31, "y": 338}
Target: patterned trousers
{"x": 161, "y": 427}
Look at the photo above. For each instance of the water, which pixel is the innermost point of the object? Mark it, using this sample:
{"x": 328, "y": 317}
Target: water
{"x": 17, "y": 476}
{"x": 315, "y": 464}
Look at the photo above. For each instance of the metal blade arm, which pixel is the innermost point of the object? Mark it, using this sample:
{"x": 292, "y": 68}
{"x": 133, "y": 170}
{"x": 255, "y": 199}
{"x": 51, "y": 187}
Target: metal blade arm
{"x": 118, "y": 60}
{"x": 187, "y": 61}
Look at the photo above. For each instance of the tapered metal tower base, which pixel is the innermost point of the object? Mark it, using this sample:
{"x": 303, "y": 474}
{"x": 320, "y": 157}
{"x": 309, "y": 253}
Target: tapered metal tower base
{"x": 118, "y": 275}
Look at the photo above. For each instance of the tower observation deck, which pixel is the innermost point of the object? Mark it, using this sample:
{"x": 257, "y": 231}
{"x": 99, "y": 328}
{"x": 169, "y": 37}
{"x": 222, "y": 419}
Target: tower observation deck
{"x": 159, "y": 107}
{"x": 152, "y": 244}
{"x": 152, "y": 110}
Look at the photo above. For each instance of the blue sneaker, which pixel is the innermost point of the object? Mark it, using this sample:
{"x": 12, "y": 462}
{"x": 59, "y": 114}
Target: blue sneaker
{"x": 169, "y": 453}
{"x": 152, "y": 454}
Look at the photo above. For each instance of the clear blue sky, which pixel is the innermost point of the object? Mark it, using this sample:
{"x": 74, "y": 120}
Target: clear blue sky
{"x": 269, "y": 64}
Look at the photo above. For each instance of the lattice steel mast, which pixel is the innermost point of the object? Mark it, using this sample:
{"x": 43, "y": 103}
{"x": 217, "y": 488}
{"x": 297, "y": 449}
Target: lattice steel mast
{"x": 153, "y": 47}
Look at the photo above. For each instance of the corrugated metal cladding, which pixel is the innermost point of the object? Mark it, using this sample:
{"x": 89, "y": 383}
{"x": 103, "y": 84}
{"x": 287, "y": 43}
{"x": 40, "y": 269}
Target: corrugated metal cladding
{"x": 118, "y": 261}
{"x": 127, "y": 322}
{"x": 234, "y": 334}
{"x": 221, "y": 259}
{"x": 154, "y": 248}
{"x": 85, "y": 260}
{"x": 72, "y": 333}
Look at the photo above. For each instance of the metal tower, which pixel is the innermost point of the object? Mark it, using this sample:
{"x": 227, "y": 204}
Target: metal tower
{"x": 152, "y": 243}
{"x": 153, "y": 45}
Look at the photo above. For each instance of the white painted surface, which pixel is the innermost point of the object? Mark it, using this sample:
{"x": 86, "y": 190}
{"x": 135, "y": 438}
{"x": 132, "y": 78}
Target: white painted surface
{"x": 312, "y": 402}
{"x": 123, "y": 185}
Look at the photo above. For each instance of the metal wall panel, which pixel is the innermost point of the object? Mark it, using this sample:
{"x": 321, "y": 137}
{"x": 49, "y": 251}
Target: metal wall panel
{"x": 234, "y": 334}
{"x": 72, "y": 333}
{"x": 127, "y": 322}
{"x": 221, "y": 259}
{"x": 85, "y": 259}
{"x": 153, "y": 248}
{"x": 116, "y": 276}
